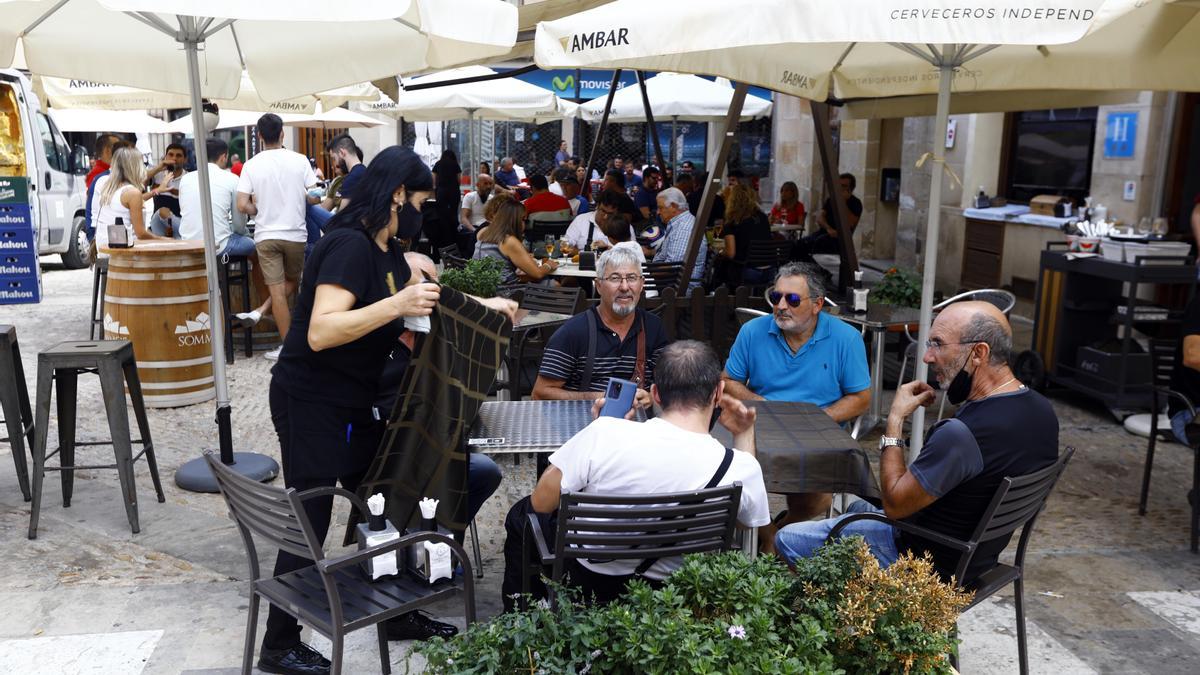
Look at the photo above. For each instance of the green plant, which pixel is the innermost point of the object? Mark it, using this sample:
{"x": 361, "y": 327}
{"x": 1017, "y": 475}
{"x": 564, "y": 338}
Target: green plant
{"x": 898, "y": 287}
{"x": 480, "y": 278}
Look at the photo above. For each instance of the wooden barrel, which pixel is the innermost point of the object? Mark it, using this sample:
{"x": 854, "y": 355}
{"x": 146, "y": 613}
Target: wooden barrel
{"x": 265, "y": 335}
{"x": 157, "y": 298}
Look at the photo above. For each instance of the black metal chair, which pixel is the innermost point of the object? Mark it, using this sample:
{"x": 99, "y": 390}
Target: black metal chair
{"x": 18, "y": 419}
{"x": 660, "y": 276}
{"x": 334, "y": 596}
{"x": 451, "y": 251}
{"x": 554, "y": 300}
{"x": 1016, "y": 505}
{"x": 766, "y": 255}
{"x": 1162, "y": 360}
{"x": 632, "y": 527}
{"x": 99, "y": 288}
{"x": 451, "y": 261}
{"x": 235, "y": 271}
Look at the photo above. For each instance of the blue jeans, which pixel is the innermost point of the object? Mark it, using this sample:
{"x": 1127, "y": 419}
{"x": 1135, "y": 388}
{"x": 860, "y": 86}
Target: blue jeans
{"x": 238, "y": 245}
{"x": 315, "y": 218}
{"x": 1179, "y": 423}
{"x": 483, "y": 477}
{"x": 159, "y": 226}
{"x": 801, "y": 540}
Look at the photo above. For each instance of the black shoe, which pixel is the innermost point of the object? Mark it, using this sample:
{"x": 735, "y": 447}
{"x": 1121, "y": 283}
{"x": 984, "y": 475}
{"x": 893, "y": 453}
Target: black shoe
{"x": 418, "y": 626}
{"x": 298, "y": 660}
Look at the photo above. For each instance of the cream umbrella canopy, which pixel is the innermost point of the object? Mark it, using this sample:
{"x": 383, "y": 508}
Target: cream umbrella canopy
{"x": 677, "y": 96}
{"x": 864, "y": 49}
{"x": 125, "y": 121}
{"x": 282, "y": 46}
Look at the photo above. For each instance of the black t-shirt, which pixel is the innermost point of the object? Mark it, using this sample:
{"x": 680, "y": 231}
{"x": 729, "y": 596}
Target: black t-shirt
{"x": 718, "y": 209}
{"x": 647, "y": 198}
{"x": 963, "y": 462}
{"x": 1183, "y": 379}
{"x": 853, "y": 205}
{"x": 566, "y": 352}
{"x": 754, "y": 228}
{"x": 627, "y": 206}
{"x": 350, "y": 182}
{"x": 347, "y": 375}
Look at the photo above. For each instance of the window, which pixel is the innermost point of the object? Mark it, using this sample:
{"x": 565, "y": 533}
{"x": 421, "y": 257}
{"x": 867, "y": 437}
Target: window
{"x": 56, "y": 160}
{"x": 1050, "y": 152}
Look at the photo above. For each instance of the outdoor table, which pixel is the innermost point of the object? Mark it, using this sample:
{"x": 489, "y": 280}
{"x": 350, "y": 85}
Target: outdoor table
{"x": 801, "y": 449}
{"x": 878, "y": 319}
{"x": 789, "y": 231}
{"x": 570, "y": 269}
{"x": 527, "y": 321}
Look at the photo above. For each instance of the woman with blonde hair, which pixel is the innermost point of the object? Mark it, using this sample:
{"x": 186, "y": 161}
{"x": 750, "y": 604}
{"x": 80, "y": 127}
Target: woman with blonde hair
{"x": 501, "y": 240}
{"x": 119, "y": 195}
{"x": 744, "y": 223}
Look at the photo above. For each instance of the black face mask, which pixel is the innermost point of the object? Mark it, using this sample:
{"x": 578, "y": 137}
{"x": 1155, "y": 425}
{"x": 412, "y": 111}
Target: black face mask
{"x": 408, "y": 219}
{"x": 960, "y": 387}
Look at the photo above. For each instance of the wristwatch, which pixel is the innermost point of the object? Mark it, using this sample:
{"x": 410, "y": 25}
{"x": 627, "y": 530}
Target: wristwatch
{"x": 886, "y": 441}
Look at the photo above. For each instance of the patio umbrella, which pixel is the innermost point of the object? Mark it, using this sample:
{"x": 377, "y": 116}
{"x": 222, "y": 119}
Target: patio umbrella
{"x": 226, "y": 119}
{"x": 282, "y": 45}
{"x": 124, "y": 121}
{"x": 865, "y": 49}
{"x": 64, "y": 92}
{"x": 332, "y": 118}
{"x": 676, "y": 96}
{"x": 506, "y": 99}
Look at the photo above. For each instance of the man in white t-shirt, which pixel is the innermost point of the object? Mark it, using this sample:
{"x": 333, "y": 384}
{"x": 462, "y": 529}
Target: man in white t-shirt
{"x": 470, "y": 216}
{"x": 162, "y": 181}
{"x": 586, "y": 229}
{"x": 230, "y": 234}
{"x": 273, "y": 189}
{"x": 673, "y": 452}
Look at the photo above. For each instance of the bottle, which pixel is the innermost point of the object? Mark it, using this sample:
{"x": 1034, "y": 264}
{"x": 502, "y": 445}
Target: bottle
{"x": 378, "y": 530}
{"x": 981, "y": 199}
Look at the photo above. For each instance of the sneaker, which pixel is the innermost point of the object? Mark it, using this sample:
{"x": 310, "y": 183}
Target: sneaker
{"x": 248, "y": 319}
{"x": 418, "y": 626}
{"x": 273, "y": 355}
{"x": 298, "y": 660}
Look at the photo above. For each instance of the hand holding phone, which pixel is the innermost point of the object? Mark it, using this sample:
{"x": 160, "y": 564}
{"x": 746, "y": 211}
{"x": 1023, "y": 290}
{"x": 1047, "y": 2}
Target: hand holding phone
{"x": 618, "y": 398}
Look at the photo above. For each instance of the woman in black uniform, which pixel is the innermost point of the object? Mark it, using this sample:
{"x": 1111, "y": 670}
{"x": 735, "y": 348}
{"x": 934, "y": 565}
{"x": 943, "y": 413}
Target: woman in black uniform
{"x": 355, "y": 293}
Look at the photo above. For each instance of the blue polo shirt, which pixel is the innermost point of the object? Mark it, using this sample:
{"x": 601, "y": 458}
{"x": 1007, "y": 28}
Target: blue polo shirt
{"x": 830, "y": 365}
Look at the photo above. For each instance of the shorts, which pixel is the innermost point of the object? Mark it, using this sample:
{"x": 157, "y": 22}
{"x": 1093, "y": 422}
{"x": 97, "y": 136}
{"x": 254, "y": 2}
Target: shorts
{"x": 280, "y": 260}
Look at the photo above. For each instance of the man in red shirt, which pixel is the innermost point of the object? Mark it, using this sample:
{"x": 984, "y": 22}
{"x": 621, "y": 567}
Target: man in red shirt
{"x": 543, "y": 199}
{"x": 236, "y": 166}
{"x": 104, "y": 146}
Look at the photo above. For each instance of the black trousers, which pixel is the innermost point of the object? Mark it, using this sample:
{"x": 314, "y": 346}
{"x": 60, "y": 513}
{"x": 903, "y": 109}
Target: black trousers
{"x": 283, "y": 631}
{"x": 596, "y": 587}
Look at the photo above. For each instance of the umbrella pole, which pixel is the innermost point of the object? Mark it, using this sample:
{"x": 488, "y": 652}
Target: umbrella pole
{"x": 612, "y": 91}
{"x": 641, "y": 78}
{"x": 931, "y": 244}
{"x": 674, "y": 150}
{"x": 195, "y": 475}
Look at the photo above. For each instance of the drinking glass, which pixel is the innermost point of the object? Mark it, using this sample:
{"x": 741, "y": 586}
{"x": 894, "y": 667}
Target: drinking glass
{"x": 1159, "y": 227}
{"x": 549, "y": 243}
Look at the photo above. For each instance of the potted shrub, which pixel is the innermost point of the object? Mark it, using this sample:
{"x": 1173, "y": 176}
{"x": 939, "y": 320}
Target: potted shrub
{"x": 480, "y": 277}
{"x": 898, "y": 287}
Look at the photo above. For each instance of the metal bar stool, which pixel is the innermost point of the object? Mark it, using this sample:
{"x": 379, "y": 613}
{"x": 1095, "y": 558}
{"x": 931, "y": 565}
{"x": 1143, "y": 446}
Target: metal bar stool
{"x": 113, "y": 361}
{"x": 14, "y": 403}
{"x": 235, "y": 270}
{"x": 99, "y": 287}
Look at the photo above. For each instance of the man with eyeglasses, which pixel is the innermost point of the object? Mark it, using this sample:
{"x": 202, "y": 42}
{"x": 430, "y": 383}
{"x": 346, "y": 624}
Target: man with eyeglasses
{"x": 800, "y": 353}
{"x": 614, "y": 339}
{"x": 1001, "y": 429}
{"x": 587, "y": 229}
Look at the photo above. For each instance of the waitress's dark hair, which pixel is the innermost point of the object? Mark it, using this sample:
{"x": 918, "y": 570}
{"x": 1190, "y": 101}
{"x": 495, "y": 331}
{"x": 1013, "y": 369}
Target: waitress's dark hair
{"x": 371, "y": 204}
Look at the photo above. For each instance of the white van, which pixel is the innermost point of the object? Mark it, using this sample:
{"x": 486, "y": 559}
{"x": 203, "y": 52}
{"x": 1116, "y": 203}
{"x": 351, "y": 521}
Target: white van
{"x": 32, "y": 147}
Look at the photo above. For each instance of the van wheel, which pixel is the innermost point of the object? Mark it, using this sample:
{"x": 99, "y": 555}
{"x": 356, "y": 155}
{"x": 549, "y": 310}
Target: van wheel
{"x": 78, "y": 254}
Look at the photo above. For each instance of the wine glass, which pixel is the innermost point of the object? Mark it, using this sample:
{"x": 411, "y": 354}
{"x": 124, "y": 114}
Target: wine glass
{"x": 549, "y": 243}
{"x": 1159, "y": 227}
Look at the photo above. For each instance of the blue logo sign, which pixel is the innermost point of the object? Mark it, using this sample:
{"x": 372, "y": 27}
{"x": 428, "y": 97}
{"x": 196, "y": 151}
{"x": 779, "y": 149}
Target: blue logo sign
{"x": 1120, "y": 135}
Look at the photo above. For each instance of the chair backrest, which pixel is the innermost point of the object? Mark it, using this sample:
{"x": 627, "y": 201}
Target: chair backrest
{"x": 661, "y": 275}
{"x": 451, "y": 251}
{"x": 1002, "y": 299}
{"x": 745, "y": 314}
{"x": 561, "y": 300}
{"x": 768, "y": 253}
{"x": 1017, "y": 501}
{"x": 640, "y": 527}
{"x": 1162, "y": 361}
{"x": 547, "y": 223}
{"x": 270, "y": 512}
{"x": 451, "y": 261}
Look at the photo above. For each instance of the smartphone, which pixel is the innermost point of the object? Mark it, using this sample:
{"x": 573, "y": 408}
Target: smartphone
{"x": 618, "y": 398}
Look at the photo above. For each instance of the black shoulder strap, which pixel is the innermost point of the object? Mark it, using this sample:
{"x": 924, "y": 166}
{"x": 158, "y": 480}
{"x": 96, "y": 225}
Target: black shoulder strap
{"x": 586, "y": 382}
{"x": 591, "y": 232}
{"x": 722, "y": 469}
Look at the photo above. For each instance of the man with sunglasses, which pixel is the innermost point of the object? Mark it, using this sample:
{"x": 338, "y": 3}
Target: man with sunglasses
{"x": 800, "y": 353}
{"x": 614, "y": 339}
{"x": 1001, "y": 429}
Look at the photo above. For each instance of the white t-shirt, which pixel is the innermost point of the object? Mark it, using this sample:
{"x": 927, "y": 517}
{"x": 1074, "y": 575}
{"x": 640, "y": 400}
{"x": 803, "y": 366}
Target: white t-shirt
{"x": 577, "y": 232}
{"x": 557, "y": 189}
{"x": 168, "y": 178}
{"x": 615, "y": 456}
{"x": 279, "y": 180}
{"x": 224, "y": 206}
{"x": 473, "y": 203}
{"x": 106, "y": 213}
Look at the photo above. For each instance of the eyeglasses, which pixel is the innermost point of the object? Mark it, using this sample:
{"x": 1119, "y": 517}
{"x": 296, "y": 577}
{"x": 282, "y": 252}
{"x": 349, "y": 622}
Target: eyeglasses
{"x": 616, "y": 279}
{"x": 793, "y": 299}
{"x": 935, "y": 344}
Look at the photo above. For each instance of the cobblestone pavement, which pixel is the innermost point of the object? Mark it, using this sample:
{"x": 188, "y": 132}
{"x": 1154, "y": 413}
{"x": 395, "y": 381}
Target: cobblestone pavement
{"x": 1107, "y": 590}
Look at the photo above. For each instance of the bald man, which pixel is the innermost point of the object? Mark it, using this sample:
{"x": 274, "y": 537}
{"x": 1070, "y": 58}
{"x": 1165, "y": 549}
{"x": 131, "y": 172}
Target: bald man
{"x": 1001, "y": 429}
{"x": 471, "y": 216}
